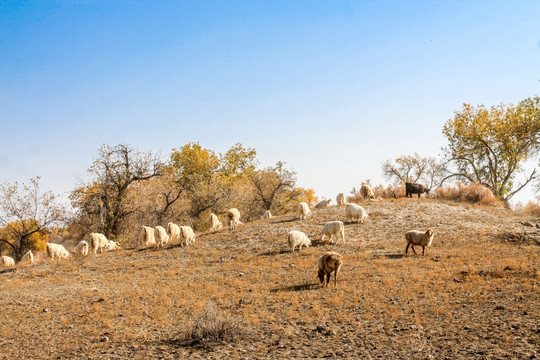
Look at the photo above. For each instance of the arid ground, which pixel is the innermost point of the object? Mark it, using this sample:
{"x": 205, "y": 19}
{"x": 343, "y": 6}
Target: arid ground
{"x": 475, "y": 295}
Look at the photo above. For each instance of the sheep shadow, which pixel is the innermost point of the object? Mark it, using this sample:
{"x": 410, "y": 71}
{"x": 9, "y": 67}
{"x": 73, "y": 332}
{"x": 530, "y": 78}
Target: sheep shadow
{"x": 295, "y": 288}
{"x": 389, "y": 256}
{"x": 284, "y": 221}
{"x": 4, "y": 271}
{"x": 275, "y": 252}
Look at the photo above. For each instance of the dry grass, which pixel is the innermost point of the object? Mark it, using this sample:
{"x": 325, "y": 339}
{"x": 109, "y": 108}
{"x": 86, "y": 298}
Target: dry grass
{"x": 471, "y": 296}
{"x": 474, "y": 193}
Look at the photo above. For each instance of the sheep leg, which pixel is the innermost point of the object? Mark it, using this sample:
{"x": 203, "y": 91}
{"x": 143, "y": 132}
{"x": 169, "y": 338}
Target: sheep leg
{"x": 423, "y": 247}
{"x": 328, "y": 278}
{"x": 407, "y": 248}
{"x": 414, "y": 251}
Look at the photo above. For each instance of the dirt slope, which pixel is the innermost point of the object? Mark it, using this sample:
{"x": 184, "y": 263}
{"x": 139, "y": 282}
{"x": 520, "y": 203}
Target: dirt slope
{"x": 472, "y": 296}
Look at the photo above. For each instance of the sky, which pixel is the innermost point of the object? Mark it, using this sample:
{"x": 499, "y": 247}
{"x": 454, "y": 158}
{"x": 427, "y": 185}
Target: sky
{"x": 333, "y": 88}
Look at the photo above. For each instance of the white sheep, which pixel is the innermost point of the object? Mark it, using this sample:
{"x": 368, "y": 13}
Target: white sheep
{"x": 340, "y": 199}
{"x": 161, "y": 236}
{"x": 366, "y": 192}
{"x": 303, "y": 210}
{"x": 187, "y": 235}
{"x": 233, "y": 218}
{"x": 7, "y": 261}
{"x": 355, "y": 211}
{"x": 267, "y": 215}
{"x": 323, "y": 204}
{"x": 213, "y": 222}
{"x": 149, "y": 238}
{"x": 418, "y": 238}
{"x": 327, "y": 264}
{"x": 28, "y": 257}
{"x": 82, "y": 248}
{"x": 57, "y": 251}
{"x": 333, "y": 228}
{"x": 112, "y": 245}
{"x": 174, "y": 232}
{"x": 98, "y": 242}
{"x": 298, "y": 238}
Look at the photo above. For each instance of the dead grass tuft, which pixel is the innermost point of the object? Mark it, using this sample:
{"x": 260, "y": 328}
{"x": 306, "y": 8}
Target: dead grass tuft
{"x": 211, "y": 328}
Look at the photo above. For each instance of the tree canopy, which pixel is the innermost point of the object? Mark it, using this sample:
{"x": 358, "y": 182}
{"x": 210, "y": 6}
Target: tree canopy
{"x": 490, "y": 146}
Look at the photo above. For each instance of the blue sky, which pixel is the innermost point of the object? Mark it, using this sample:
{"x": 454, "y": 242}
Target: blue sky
{"x": 333, "y": 88}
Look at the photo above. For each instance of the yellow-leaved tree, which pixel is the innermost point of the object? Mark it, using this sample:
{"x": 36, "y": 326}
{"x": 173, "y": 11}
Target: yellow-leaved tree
{"x": 490, "y": 146}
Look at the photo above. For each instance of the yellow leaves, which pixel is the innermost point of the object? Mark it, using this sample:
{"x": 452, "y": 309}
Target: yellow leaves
{"x": 37, "y": 240}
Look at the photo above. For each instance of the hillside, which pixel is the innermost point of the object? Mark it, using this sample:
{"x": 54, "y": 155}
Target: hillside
{"x": 474, "y": 294}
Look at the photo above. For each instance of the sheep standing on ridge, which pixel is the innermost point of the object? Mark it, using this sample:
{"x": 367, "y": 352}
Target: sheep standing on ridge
{"x": 323, "y": 204}
{"x": 57, "y": 251}
{"x": 366, "y": 192}
{"x": 414, "y": 188}
{"x": 213, "y": 222}
{"x": 233, "y": 218}
{"x": 298, "y": 238}
{"x": 340, "y": 199}
{"x": 161, "y": 236}
{"x": 303, "y": 210}
{"x": 99, "y": 242}
{"x": 149, "y": 238}
{"x": 333, "y": 228}
{"x": 418, "y": 238}
{"x": 28, "y": 257}
{"x": 187, "y": 235}
{"x": 7, "y": 261}
{"x": 174, "y": 232}
{"x": 355, "y": 211}
{"x": 267, "y": 215}
{"x": 82, "y": 248}
{"x": 329, "y": 263}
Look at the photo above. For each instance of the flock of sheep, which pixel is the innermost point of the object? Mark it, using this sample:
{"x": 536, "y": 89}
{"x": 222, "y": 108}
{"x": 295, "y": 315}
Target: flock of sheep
{"x": 327, "y": 264}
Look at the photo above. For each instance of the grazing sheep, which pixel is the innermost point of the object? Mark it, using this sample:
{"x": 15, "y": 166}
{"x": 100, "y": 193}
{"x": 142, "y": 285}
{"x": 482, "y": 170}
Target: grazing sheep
{"x": 355, "y": 211}
{"x": 233, "y": 218}
{"x": 323, "y": 204}
{"x": 414, "y": 188}
{"x": 174, "y": 231}
{"x": 303, "y": 210}
{"x": 187, "y": 235}
{"x": 267, "y": 215}
{"x": 340, "y": 199}
{"x": 418, "y": 238}
{"x": 298, "y": 238}
{"x": 112, "y": 245}
{"x": 366, "y": 192}
{"x": 333, "y": 228}
{"x": 161, "y": 236}
{"x": 82, "y": 248}
{"x": 99, "y": 242}
{"x": 57, "y": 251}
{"x": 28, "y": 257}
{"x": 329, "y": 263}
{"x": 213, "y": 222}
{"x": 7, "y": 261}
{"x": 148, "y": 238}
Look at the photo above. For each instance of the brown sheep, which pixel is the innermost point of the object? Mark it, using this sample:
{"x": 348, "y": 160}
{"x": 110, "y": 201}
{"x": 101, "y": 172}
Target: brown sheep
{"x": 329, "y": 263}
{"x": 418, "y": 238}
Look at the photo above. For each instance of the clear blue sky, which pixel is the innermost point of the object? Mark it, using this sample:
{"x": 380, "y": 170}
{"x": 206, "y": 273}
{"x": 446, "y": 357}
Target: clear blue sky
{"x": 331, "y": 87}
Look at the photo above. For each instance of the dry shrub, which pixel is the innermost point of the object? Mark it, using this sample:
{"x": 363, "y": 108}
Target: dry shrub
{"x": 380, "y": 192}
{"x": 473, "y": 193}
{"x": 532, "y": 208}
{"x": 211, "y": 327}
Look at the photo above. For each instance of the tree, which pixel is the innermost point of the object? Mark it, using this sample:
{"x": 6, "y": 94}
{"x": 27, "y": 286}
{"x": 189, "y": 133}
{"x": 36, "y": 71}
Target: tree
{"x": 26, "y": 215}
{"x": 273, "y": 182}
{"x": 415, "y": 168}
{"x": 105, "y": 203}
{"x": 490, "y": 146}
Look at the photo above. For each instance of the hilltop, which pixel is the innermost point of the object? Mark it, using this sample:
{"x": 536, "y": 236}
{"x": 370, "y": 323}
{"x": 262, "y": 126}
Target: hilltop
{"x": 474, "y": 294}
